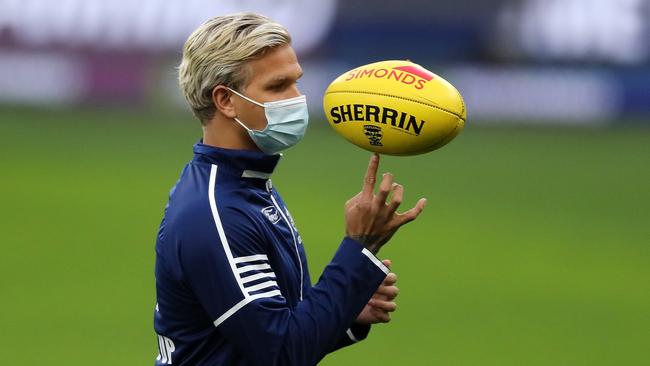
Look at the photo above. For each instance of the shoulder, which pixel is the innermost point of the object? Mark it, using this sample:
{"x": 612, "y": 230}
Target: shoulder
{"x": 215, "y": 211}
{"x": 200, "y": 195}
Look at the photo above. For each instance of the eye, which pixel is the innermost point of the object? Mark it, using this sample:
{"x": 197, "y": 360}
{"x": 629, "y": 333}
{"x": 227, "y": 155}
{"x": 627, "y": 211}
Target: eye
{"x": 277, "y": 87}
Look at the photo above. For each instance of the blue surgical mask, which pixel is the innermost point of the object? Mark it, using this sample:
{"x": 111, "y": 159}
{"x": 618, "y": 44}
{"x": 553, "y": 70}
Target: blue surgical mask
{"x": 287, "y": 121}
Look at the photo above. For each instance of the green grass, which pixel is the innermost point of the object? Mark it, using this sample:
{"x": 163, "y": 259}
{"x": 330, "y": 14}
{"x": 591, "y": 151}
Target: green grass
{"x": 534, "y": 248}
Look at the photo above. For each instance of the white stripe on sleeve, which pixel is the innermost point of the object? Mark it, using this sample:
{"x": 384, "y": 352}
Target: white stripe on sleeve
{"x": 257, "y": 277}
{"x": 252, "y": 258}
{"x": 351, "y": 336}
{"x": 253, "y": 267}
{"x": 260, "y": 286}
{"x": 222, "y": 234}
{"x": 243, "y": 303}
{"x": 376, "y": 261}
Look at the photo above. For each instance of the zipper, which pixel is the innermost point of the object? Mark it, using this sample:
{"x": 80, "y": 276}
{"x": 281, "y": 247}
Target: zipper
{"x": 269, "y": 188}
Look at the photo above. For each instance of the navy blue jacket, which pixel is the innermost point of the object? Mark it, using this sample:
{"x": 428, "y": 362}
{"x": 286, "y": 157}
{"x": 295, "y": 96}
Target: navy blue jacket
{"x": 232, "y": 283}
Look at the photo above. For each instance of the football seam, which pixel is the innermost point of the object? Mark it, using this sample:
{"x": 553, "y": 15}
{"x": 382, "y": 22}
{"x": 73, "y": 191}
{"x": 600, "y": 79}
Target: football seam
{"x": 396, "y": 97}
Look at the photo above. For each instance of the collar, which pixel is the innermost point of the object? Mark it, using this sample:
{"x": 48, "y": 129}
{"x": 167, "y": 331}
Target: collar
{"x": 243, "y": 163}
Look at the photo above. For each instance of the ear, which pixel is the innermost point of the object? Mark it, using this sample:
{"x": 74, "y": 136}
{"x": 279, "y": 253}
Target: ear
{"x": 222, "y": 100}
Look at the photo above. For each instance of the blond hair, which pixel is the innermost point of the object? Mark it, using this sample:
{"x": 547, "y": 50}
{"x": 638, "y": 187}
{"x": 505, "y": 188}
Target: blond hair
{"x": 216, "y": 54}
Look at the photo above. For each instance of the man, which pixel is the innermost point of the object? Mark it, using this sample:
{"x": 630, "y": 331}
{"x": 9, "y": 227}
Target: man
{"x": 232, "y": 283}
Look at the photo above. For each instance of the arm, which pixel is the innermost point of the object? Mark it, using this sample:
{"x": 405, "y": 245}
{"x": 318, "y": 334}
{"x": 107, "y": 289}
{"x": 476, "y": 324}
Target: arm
{"x": 258, "y": 320}
{"x": 255, "y": 317}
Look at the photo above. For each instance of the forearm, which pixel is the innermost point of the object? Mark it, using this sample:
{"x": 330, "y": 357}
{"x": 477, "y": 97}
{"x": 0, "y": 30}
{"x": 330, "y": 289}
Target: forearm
{"x": 305, "y": 334}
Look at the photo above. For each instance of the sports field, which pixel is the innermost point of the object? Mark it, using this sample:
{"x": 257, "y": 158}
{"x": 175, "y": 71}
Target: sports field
{"x": 534, "y": 248}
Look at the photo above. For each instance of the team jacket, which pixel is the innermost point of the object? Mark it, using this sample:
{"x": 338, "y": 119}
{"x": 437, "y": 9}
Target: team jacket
{"x": 232, "y": 283}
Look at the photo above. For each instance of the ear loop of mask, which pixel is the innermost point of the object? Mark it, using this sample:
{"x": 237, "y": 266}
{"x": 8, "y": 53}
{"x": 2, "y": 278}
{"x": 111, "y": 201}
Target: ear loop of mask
{"x": 250, "y": 100}
{"x": 247, "y": 98}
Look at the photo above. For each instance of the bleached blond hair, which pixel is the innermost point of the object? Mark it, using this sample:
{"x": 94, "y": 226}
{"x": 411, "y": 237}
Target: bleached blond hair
{"x": 216, "y": 53}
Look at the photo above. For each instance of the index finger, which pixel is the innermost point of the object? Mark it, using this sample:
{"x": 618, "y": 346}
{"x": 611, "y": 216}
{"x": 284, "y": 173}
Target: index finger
{"x": 371, "y": 175}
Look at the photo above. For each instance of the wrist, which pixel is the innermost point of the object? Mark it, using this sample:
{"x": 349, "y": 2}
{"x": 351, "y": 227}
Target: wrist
{"x": 370, "y": 242}
{"x": 369, "y": 253}
{"x": 358, "y": 331}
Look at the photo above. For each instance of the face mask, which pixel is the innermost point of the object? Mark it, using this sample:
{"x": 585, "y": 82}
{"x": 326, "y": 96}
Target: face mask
{"x": 287, "y": 121}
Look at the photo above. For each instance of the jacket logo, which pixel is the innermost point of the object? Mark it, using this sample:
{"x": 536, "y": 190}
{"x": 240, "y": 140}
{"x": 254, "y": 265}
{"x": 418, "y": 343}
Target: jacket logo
{"x": 293, "y": 224}
{"x": 272, "y": 214}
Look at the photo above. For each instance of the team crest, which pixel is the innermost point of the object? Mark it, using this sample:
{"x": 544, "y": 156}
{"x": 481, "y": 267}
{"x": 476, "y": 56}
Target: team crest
{"x": 272, "y": 214}
{"x": 374, "y": 134}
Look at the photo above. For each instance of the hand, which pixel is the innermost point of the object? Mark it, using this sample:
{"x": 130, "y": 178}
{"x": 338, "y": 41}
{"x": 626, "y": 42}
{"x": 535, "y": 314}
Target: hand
{"x": 382, "y": 302}
{"x": 368, "y": 218}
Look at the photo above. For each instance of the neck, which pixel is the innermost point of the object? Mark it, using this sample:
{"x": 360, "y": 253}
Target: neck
{"x": 227, "y": 134}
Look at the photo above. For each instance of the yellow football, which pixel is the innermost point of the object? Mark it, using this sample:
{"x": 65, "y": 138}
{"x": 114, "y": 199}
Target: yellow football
{"x": 395, "y": 108}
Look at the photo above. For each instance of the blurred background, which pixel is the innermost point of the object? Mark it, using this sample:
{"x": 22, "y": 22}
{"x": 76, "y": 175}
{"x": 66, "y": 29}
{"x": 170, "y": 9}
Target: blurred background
{"x": 534, "y": 248}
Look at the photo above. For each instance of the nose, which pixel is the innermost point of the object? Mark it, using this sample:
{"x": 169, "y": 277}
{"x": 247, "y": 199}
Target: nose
{"x": 294, "y": 91}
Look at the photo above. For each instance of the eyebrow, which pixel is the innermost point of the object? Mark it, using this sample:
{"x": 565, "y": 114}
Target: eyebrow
{"x": 284, "y": 78}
